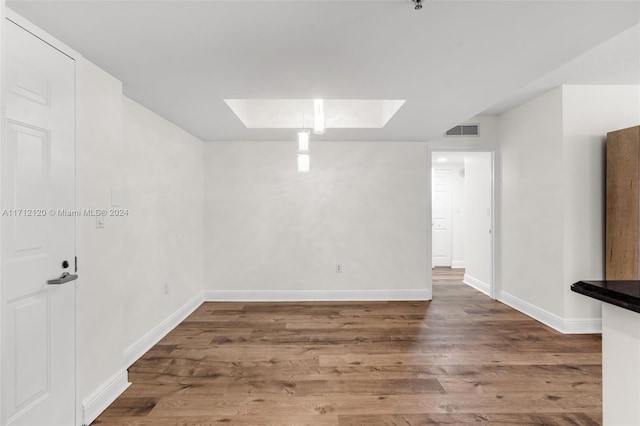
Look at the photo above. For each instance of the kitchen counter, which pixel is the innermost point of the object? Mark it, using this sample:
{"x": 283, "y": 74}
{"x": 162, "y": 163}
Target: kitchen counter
{"x": 620, "y": 348}
{"x": 625, "y": 294}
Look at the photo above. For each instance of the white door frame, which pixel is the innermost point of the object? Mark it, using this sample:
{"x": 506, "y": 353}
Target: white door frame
{"x": 8, "y": 14}
{"x": 493, "y": 288}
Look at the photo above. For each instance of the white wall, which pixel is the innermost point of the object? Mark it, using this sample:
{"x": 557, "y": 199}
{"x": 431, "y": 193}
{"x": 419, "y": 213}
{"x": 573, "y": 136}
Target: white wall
{"x": 270, "y": 228}
{"x": 589, "y": 112}
{"x": 458, "y": 212}
{"x": 100, "y": 318}
{"x": 532, "y": 220}
{"x": 163, "y": 181}
{"x": 478, "y": 209}
{"x": 552, "y": 209}
{"x": 157, "y": 170}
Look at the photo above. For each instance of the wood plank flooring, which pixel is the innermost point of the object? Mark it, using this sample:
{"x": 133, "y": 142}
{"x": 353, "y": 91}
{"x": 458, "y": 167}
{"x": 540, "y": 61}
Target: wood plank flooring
{"x": 462, "y": 358}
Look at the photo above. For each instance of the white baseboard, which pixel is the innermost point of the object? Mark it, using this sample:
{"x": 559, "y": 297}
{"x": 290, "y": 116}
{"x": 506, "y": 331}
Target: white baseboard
{"x": 583, "y": 326}
{"x": 457, "y": 264}
{"x": 539, "y": 314}
{"x": 315, "y": 295}
{"x": 565, "y": 326}
{"x": 101, "y": 398}
{"x": 477, "y": 284}
{"x": 146, "y": 342}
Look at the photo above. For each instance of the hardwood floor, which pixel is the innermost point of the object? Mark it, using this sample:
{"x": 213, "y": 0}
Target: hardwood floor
{"x": 444, "y": 276}
{"x": 462, "y": 358}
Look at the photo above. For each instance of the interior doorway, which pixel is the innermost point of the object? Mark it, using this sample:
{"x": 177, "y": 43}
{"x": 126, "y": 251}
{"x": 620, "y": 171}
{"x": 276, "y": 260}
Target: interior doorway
{"x": 462, "y": 217}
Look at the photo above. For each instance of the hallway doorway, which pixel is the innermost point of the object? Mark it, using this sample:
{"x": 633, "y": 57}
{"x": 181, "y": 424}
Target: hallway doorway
{"x": 462, "y": 216}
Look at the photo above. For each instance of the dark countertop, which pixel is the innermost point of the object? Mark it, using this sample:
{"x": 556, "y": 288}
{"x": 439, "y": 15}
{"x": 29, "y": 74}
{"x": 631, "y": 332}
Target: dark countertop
{"x": 625, "y": 294}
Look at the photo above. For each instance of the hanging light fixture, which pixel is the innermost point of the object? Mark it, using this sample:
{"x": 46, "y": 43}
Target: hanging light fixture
{"x": 303, "y": 162}
{"x": 303, "y": 148}
{"x": 303, "y": 140}
{"x": 318, "y": 116}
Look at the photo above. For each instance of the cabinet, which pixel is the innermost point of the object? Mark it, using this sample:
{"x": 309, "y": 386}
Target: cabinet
{"x": 623, "y": 205}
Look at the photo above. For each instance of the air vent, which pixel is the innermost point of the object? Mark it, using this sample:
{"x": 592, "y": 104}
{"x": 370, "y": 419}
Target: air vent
{"x": 464, "y": 130}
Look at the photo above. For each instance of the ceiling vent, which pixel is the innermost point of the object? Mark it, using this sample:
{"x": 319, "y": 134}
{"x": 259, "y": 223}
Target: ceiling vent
{"x": 464, "y": 130}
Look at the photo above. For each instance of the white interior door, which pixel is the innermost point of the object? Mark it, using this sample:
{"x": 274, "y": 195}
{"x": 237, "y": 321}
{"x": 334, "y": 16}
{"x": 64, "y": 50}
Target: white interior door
{"x": 441, "y": 217}
{"x": 38, "y": 180}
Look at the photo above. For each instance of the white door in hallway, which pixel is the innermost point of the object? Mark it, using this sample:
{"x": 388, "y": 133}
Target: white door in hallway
{"x": 441, "y": 217}
{"x": 38, "y": 180}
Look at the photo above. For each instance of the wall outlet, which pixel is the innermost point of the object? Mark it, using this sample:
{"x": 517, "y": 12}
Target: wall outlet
{"x": 166, "y": 288}
{"x": 338, "y": 268}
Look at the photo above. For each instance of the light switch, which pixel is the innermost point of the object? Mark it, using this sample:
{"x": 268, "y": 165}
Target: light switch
{"x": 99, "y": 221}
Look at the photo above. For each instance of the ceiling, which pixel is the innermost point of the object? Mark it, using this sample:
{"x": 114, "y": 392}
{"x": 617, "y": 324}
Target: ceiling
{"x": 449, "y": 61}
{"x": 616, "y": 61}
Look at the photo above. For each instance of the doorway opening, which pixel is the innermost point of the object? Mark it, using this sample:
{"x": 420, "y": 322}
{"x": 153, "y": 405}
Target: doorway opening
{"x": 462, "y": 218}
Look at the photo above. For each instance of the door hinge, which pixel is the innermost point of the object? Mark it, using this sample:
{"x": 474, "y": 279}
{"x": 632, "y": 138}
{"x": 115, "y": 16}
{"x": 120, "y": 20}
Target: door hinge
{"x": 76, "y": 264}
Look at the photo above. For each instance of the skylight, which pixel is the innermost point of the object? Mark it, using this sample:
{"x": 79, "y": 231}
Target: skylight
{"x": 299, "y": 113}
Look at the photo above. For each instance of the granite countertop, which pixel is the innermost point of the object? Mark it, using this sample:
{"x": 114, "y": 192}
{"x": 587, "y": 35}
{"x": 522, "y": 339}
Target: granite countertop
{"x": 625, "y": 294}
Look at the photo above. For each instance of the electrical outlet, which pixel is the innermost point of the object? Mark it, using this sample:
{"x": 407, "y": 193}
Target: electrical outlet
{"x": 166, "y": 288}
{"x": 339, "y": 268}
